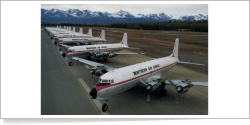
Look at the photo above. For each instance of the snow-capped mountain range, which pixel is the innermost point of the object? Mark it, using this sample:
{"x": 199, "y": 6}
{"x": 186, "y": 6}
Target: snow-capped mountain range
{"x": 87, "y": 16}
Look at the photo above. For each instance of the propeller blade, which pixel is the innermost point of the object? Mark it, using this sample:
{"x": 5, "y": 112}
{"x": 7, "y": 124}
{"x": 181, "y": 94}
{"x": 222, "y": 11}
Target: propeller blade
{"x": 178, "y": 96}
{"x": 148, "y": 99}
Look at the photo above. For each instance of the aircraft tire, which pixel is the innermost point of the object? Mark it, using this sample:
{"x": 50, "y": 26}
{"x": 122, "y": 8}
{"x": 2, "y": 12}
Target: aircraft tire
{"x": 70, "y": 63}
{"x": 60, "y": 49}
{"x": 104, "y": 107}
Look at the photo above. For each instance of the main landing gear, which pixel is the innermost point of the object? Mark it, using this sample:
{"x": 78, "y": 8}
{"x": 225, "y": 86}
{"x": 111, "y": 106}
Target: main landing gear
{"x": 106, "y": 60}
{"x": 105, "y": 106}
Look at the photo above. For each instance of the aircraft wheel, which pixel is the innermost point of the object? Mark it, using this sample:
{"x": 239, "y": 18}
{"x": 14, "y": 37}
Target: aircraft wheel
{"x": 60, "y": 49}
{"x": 104, "y": 107}
{"x": 70, "y": 64}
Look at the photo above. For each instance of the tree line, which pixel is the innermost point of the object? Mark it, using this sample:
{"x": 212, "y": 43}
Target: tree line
{"x": 195, "y": 26}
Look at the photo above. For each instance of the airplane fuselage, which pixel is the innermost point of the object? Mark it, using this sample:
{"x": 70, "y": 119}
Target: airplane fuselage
{"x": 122, "y": 79}
{"x": 87, "y": 49}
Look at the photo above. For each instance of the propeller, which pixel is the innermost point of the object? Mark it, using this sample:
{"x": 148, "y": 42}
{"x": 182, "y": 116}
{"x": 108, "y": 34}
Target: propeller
{"x": 149, "y": 88}
{"x": 91, "y": 71}
{"x": 179, "y": 90}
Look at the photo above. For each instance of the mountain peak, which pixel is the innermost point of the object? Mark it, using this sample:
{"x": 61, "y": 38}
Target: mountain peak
{"x": 75, "y": 14}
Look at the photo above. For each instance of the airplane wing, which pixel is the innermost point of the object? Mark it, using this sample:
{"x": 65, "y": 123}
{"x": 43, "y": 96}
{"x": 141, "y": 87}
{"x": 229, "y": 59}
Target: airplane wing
{"x": 185, "y": 83}
{"x": 91, "y": 63}
{"x": 128, "y": 53}
{"x": 190, "y": 63}
{"x": 98, "y": 68}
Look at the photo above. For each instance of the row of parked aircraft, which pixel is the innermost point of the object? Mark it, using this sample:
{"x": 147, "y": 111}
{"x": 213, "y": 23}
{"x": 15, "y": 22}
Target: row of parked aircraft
{"x": 116, "y": 80}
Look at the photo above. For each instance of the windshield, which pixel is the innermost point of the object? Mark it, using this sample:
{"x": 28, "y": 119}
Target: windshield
{"x": 103, "y": 82}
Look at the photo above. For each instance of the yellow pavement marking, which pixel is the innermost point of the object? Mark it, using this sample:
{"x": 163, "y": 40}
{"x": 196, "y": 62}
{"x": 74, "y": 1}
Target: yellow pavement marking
{"x": 96, "y": 102}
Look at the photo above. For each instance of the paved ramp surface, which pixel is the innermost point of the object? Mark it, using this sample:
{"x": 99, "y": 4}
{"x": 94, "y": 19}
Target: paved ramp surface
{"x": 64, "y": 89}
{"x": 61, "y": 93}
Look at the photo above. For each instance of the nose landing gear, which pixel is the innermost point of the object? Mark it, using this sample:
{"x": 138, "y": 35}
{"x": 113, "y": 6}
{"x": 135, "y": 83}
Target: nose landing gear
{"x": 105, "y": 106}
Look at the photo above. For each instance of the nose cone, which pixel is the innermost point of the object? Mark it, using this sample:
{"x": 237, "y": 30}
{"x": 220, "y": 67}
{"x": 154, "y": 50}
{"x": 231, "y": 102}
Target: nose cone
{"x": 93, "y": 93}
{"x": 63, "y": 55}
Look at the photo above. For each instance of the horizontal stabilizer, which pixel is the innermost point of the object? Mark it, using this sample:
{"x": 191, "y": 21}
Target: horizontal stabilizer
{"x": 190, "y": 63}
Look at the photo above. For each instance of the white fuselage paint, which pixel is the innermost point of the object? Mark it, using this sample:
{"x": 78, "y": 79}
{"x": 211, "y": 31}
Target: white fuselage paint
{"x": 81, "y": 39}
{"x": 71, "y": 35}
{"x": 91, "y": 48}
{"x": 126, "y": 77}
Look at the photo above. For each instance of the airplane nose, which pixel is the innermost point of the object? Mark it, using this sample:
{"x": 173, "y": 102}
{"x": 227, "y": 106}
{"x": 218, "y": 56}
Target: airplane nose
{"x": 93, "y": 93}
{"x": 63, "y": 55}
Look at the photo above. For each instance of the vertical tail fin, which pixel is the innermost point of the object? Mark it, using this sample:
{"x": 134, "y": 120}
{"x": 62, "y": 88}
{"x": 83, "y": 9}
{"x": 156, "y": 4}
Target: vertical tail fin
{"x": 74, "y": 29}
{"x": 124, "y": 39}
{"x": 60, "y": 27}
{"x": 90, "y": 32}
{"x": 56, "y": 26}
{"x": 102, "y": 36}
{"x": 70, "y": 28}
{"x": 176, "y": 48}
{"x": 81, "y": 31}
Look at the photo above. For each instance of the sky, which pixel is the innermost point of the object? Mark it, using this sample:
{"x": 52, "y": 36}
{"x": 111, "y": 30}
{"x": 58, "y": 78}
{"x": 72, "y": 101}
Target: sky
{"x": 171, "y": 9}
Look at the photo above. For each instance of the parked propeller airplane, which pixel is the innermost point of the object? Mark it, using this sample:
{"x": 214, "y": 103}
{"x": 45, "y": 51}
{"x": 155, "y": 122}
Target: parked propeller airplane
{"x": 97, "y": 50}
{"x": 55, "y": 31}
{"x": 80, "y": 41}
{"x": 114, "y": 81}
{"x": 72, "y": 35}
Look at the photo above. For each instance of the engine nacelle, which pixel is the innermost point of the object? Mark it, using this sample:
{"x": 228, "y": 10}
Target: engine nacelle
{"x": 152, "y": 86}
{"x": 182, "y": 87}
{"x": 111, "y": 55}
{"x": 98, "y": 55}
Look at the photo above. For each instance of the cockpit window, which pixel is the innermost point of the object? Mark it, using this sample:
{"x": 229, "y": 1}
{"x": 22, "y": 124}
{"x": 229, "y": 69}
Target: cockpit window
{"x": 103, "y": 82}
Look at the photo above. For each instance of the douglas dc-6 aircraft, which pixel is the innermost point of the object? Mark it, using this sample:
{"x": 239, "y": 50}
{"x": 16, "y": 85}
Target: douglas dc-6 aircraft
{"x": 103, "y": 51}
{"x": 72, "y": 35}
{"x": 80, "y": 41}
{"x": 55, "y": 31}
{"x": 114, "y": 81}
